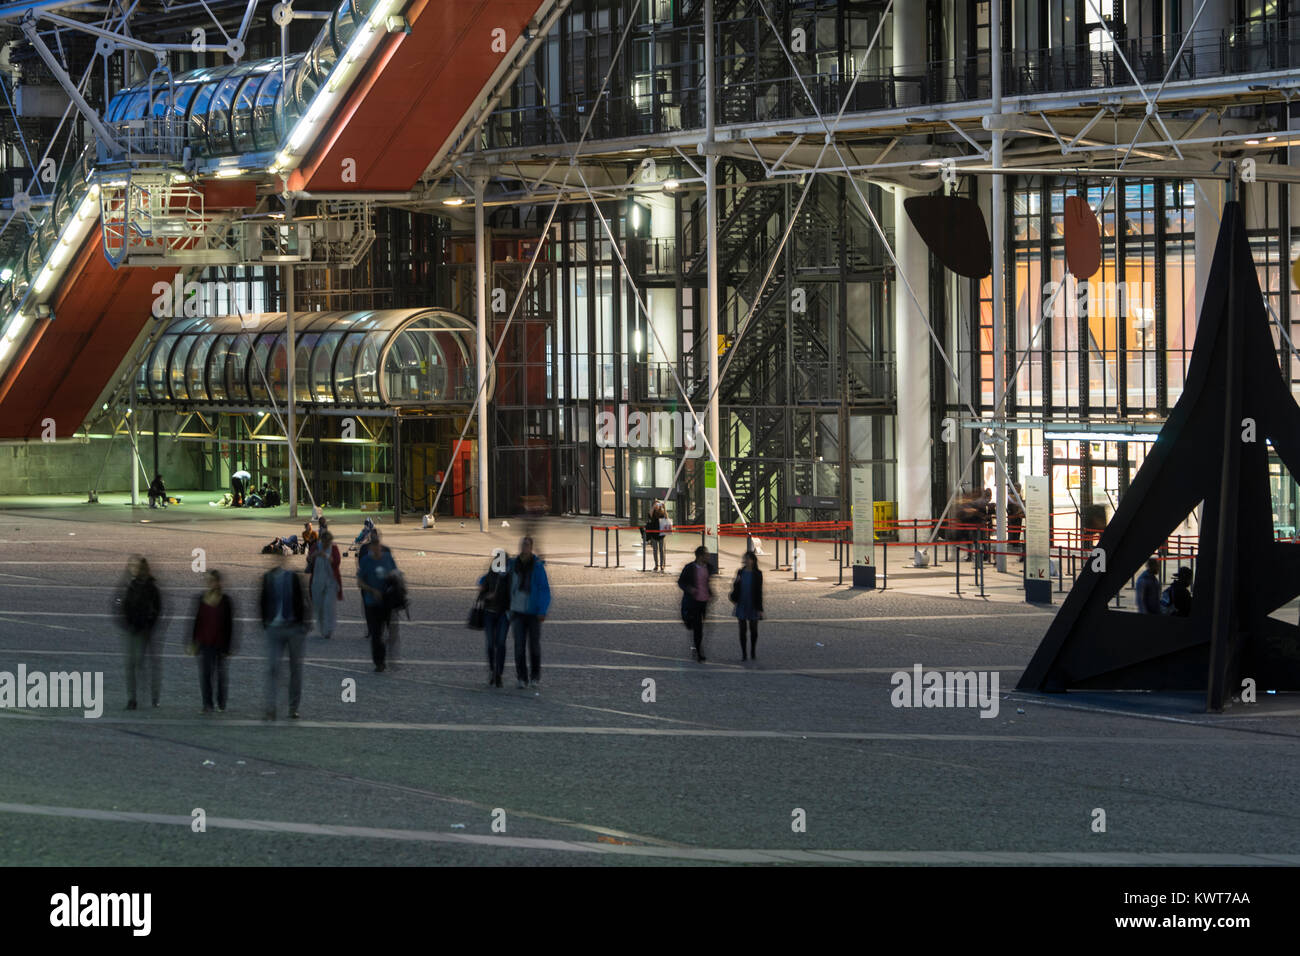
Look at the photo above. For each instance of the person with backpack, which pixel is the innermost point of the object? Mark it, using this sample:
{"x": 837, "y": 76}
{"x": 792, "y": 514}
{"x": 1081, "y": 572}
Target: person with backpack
{"x": 696, "y": 595}
{"x": 654, "y": 533}
{"x": 747, "y": 595}
{"x": 212, "y": 639}
{"x": 494, "y": 597}
{"x": 326, "y": 584}
{"x": 1176, "y": 601}
{"x": 139, "y": 608}
{"x": 530, "y": 599}
{"x": 284, "y": 619}
{"x": 374, "y": 564}
{"x": 1146, "y": 590}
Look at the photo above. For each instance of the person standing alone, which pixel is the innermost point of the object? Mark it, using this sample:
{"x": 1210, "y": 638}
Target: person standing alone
{"x": 530, "y": 599}
{"x": 139, "y": 608}
{"x": 282, "y": 616}
{"x": 212, "y": 639}
{"x": 747, "y": 595}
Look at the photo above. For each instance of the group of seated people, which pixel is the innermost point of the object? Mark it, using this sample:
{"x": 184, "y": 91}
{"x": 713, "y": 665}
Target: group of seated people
{"x": 268, "y": 497}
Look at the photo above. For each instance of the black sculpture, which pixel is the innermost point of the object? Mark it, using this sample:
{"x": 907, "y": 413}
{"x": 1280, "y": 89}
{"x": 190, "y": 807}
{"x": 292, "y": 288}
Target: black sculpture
{"x": 1212, "y": 450}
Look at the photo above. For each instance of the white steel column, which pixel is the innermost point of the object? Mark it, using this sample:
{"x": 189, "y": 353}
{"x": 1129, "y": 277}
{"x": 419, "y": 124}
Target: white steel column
{"x": 480, "y": 347}
{"x": 911, "y": 334}
{"x": 997, "y": 218}
{"x": 1215, "y": 18}
{"x": 912, "y": 355}
{"x": 711, "y": 220}
{"x": 291, "y": 347}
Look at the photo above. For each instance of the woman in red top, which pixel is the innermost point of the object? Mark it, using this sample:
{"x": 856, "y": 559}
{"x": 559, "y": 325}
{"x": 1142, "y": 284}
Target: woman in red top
{"x": 212, "y": 640}
{"x": 326, "y": 584}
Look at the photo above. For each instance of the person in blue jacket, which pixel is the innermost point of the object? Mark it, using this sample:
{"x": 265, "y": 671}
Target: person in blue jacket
{"x": 530, "y": 599}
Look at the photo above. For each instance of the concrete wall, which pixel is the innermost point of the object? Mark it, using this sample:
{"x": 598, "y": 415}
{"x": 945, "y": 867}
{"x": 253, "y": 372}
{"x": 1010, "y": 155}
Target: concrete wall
{"x": 69, "y": 467}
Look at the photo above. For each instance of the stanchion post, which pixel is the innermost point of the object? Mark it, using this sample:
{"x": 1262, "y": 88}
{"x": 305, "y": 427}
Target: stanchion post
{"x": 591, "y": 546}
{"x": 606, "y": 547}
{"x": 618, "y": 554}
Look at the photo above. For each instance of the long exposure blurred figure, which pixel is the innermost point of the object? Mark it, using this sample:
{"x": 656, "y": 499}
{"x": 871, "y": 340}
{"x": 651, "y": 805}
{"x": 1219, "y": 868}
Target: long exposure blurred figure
{"x": 139, "y": 608}
{"x": 326, "y": 584}
{"x": 530, "y": 599}
{"x": 212, "y": 638}
{"x": 282, "y": 616}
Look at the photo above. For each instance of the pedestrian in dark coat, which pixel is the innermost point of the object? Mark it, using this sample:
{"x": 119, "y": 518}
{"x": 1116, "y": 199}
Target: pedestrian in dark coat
{"x": 212, "y": 640}
{"x": 747, "y": 596}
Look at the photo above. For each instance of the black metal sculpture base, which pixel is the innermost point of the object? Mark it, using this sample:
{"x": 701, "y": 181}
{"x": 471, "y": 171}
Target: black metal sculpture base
{"x": 1212, "y": 450}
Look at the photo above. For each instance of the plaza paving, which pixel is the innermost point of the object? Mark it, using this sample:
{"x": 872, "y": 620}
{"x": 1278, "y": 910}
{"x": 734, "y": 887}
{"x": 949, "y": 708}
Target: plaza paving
{"x": 587, "y": 771}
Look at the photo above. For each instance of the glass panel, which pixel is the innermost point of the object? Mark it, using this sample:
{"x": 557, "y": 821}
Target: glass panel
{"x": 343, "y": 373}
{"x": 414, "y": 369}
{"x": 242, "y": 120}
{"x": 158, "y": 368}
{"x": 136, "y": 108}
{"x": 217, "y": 368}
{"x": 237, "y": 369}
{"x": 176, "y": 366}
{"x": 266, "y": 132}
{"x": 259, "y": 369}
{"x": 195, "y": 366}
{"x": 302, "y": 366}
{"x": 322, "y": 389}
{"x": 367, "y": 382}
{"x": 219, "y": 142}
{"x": 199, "y": 119}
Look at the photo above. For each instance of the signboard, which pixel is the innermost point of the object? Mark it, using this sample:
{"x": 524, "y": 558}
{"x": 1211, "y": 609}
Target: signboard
{"x": 711, "y": 510}
{"x": 864, "y": 528}
{"x": 1038, "y": 539}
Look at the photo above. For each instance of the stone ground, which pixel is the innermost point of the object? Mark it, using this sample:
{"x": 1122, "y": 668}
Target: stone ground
{"x": 586, "y": 770}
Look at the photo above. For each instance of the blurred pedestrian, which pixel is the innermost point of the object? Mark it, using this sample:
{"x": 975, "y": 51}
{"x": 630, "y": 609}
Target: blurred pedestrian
{"x": 374, "y": 564}
{"x": 1147, "y": 588}
{"x": 326, "y": 584}
{"x": 139, "y": 608}
{"x": 530, "y": 599}
{"x": 494, "y": 592}
{"x": 696, "y": 595}
{"x": 212, "y": 639}
{"x": 282, "y": 617}
{"x": 747, "y": 595}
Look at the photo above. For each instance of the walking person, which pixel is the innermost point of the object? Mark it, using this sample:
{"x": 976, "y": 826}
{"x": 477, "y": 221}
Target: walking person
{"x": 212, "y": 639}
{"x": 530, "y": 599}
{"x": 654, "y": 533}
{"x": 1147, "y": 588}
{"x": 326, "y": 584}
{"x": 494, "y": 592}
{"x": 139, "y": 608}
{"x": 374, "y": 564}
{"x": 747, "y": 595}
{"x": 696, "y": 595}
{"x": 282, "y": 617}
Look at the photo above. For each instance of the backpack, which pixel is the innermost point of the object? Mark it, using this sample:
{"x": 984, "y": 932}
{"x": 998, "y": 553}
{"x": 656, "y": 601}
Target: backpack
{"x": 1167, "y": 600}
{"x": 395, "y": 593}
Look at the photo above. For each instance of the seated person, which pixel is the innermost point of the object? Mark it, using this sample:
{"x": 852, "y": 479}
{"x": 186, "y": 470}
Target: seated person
{"x": 157, "y": 492}
{"x": 270, "y": 498}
